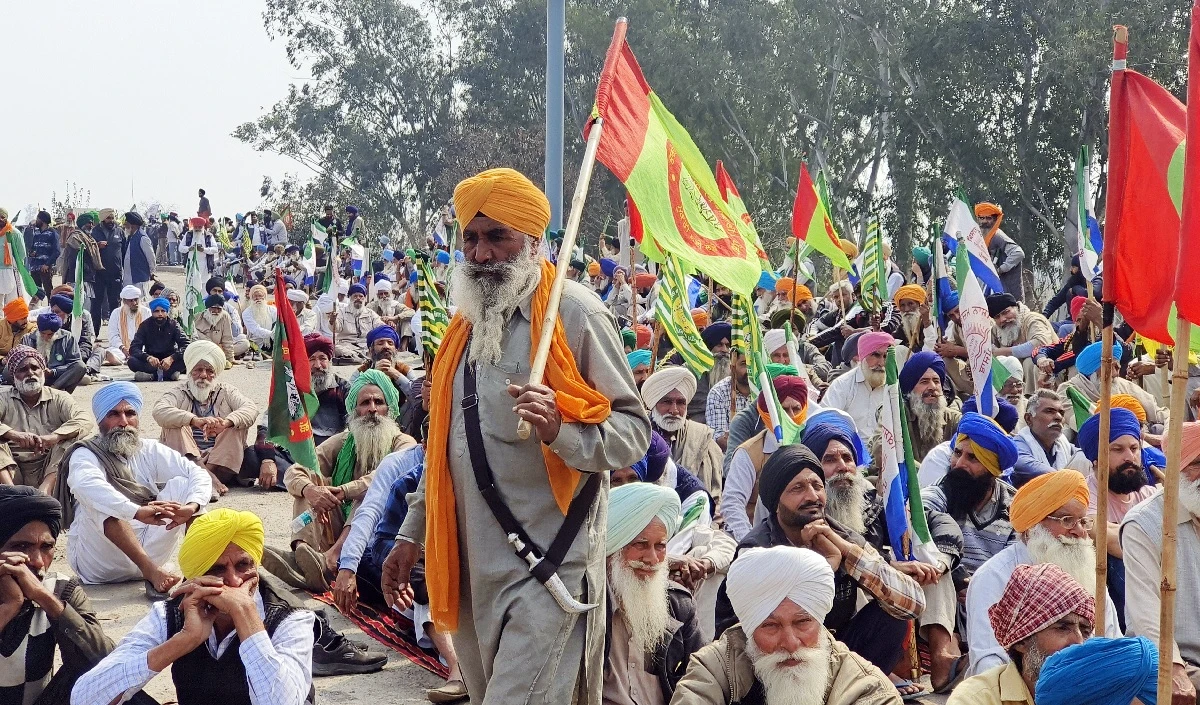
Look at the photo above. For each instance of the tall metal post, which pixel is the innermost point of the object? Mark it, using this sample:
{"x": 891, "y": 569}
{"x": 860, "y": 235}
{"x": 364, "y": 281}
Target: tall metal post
{"x": 556, "y": 29}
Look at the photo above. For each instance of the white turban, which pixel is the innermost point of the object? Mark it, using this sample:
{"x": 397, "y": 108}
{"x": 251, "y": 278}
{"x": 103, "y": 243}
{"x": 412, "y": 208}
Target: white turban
{"x": 760, "y": 579}
{"x": 632, "y": 507}
{"x": 343, "y": 287}
{"x": 325, "y": 303}
{"x": 1012, "y": 364}
{"x": 297, "y": 296}
{"x": 131, "y": 292}
{"x": 661, "y": 383}
{"x": 383, "y": 285}
{"x": 206, "y": 350}
{"x": 773, "y": 340}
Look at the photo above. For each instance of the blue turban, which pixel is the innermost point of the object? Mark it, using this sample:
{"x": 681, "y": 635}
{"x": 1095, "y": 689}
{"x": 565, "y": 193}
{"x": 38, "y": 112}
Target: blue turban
{"x": 260, "y": 248}
{"x": 49, "y": 322}
{"x": 381, "y": 277}
{"x": 632, "y": 507}
{"x": 984, "y": 433}
{"x": 608, "y": 266}
{"x": 1101, "y": 671}
{"x": 1006, "y": 416}
{"x": 63, "y": 302}
{"x": 442, "y": 257}
{"x": 840, "y": 418}
{"x": 109, "y": 395}
{"x": 637, "y": 358}
{"x": 766, "y": 280}
{"x": 388, "y": 255}
{"x": 1122, "y": 422}
{"x": 715, "y": 333}
{"x": 383, "y": 331}
{"x": 950, "y": 301}
{"x": 459, "y": 256}
{"x": 291, "y": 281}
{"x": 917, "y": 366}
{"x": 160, "y": 302}
{"x": 1088, "y": 361}
{"x": 412, "y": 277}
{"x": 357, "y": 288}
{"x": 832, "y": 428}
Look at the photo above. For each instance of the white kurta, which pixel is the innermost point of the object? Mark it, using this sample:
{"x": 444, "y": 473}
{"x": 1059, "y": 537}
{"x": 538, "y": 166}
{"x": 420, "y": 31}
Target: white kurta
{"x": 131, "y": 325}
{"x": 853, "y": 395}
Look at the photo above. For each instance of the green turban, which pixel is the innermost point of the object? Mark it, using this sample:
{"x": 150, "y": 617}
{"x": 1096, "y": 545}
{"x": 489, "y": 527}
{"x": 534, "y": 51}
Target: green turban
{"x": 390, "y": 394}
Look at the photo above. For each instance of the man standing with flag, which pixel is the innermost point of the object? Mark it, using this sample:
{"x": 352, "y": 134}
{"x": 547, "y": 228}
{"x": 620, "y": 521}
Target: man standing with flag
{"x": 1007, "y": 255}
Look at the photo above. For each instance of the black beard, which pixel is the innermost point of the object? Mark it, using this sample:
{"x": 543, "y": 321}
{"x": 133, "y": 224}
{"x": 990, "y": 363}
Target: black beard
{"x": 964, "y": 491}
{"x": 1127, "y": 478}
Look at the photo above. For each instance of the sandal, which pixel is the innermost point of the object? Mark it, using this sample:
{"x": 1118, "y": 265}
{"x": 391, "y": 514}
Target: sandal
{"x": 957, "y": 671}
{"x": 903, "y": 684}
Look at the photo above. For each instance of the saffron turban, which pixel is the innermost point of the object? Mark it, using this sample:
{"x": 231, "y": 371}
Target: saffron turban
{"x": 198, "y": 223}
{"x": 801, "y": 293}
{"x": 131, "y": 292}
{"x": 593, "y": 269}
{"x": 62, "y": 302}
{"x": 760, "y": 579}
{"x": 608, "y": 266}
{"x": 644, "y": 335}
{"x": 911, "y": 292}
{"x": 20, "y": 505}
{"x": 49, "y": 322}
{"x": 112, "y": 394}
{"x": 1130, "y": 402}
{"x": 205, "y": 350}
{"x": 991, "y": 446}
{"x": 661, "y": 383}
{"x": 916, "y": 367}
{"x": 356, "y": 288}
{"x": 1077, "y": 306}
{"x": 638, "y": 358}
{"x": 378, "y": 379}
{"x": 700, "y": 318}
{"x": 784, "y": 285}
{"x": 1101, "y": 671}
{"x": 715, "y": 333}
{"x": 632, "y": 507}
{"x": 874, "y": 341}
{"x": 987, "y": 209}
{"x": 160, "y": 303}
{"x": 773, "y": 340}
{"x": 382, "y": 332}
{"x": 1041, "y": 496}
{"x": 1088, "y": 360}
{"x": 504, "y": 195}
{"x": 999, "y": 303}
{"x": 1121, "y": 422}
{"x": 1036, "y": 597}
{"x": 848, "y": 247}
{"x": 17, "y": 357}
{"x": 644, "y": 280}
{"x": 818, "y": 434}
{"x": 629, "y": 338}
{"x": 211, "y": 533}
{"x": 781, "y": 468}
{"x": 315, "y": 343}
{"x": 16, "y": 311}
{"x": 1006, "y": 416}
{"x": 297, "y": 295}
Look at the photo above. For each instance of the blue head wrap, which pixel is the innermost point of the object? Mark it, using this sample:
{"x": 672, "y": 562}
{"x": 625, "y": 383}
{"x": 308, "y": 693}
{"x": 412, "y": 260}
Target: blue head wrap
{"x": 766, "y": 280}
{"x": 160, "y": 302}
{"x": 49, "y": 322}
{"x": 459, "y": 256}
{"x": 109, "y": 395}
{"x": 637, "y": 358}
{"x": 1006, "y": 416}
{"x": 985, "y": 433}
{"x": 63, "y": 302}
{"x": 714, "y": 333}
{"x": 843, "y": 419}
{"x": 1122, "y": 422}
{"x": 1088, "y": 361}
{"x": 442, "y": 257}
{"x": 950, "y": 301}
{"x": 917, "y": 366}
{"x": 608, "y": 266}
{"x": 832, "y": 427}
{"x": 1101, "y": 671}
{"x": 357, "y": 288}
{"x": 388, "y": 255}
{"x": 383, "y": 331}
{"x": 260, "y": 248}
{"x": 380, "y": 276}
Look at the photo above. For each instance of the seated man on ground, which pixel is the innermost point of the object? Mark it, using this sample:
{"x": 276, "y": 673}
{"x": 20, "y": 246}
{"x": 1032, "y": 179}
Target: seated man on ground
{"x": 125, "y": 500}
{"x": 1100, "y": 671}
{"x": 779, "y": 652}
{"x": 652, "y": 625}
{"x": 863, "y": 391}
{"x": 305, "y": 316}
{"x": 1041, "y": 611}
{"x": 1049, "y": 515}
{"x": 354, "y": 321}
{"x": 205, "y": 419}
{"x": 1086, "y": 381}
{"x": 16, "y": 325}
{"x": 666, "y": 394}
{"x": 932, "y": 420}
{"x": 330, "y": 388}
{"x": 123, "y": 325}
{"x": 63, "y": 305}
{"x": 346, "y": 463}
{"x": 1019, "y": 332}
{"x": 383, "y": 348}
{"x": 215, "y": 326}
{"x": 1042, "y": 447}
{"x": 37, "y": 423}
{"x": 64, "y": 365}
{"x": 156, "y": 352}
{"x": 639, "y": 365}
{"x": 226, "y": 636}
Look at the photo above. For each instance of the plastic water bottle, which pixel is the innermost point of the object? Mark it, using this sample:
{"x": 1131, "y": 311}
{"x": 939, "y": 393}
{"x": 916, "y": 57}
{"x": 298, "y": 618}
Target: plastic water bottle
{"x": 305, "y": 518}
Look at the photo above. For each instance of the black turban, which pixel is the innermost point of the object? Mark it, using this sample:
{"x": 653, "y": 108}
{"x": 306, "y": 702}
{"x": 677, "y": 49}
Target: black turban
{"x": 214, "y": 283}
{"x": 20, "y": 505}
{"x": 781, "y": 468}
{"x": 997, "y": 303}
{"x": 134, "y": 219}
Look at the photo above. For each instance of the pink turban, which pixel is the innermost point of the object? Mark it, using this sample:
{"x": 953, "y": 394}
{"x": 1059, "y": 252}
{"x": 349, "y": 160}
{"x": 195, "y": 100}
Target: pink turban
{"x": 873, "y": 341}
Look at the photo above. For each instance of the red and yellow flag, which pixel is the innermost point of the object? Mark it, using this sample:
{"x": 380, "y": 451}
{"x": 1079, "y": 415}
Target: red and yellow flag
{"x": 811, "y": 222}
{"x": 668, "y": 180}
{"x": 1187, "y": 294}
{"x": 730, "y": 195}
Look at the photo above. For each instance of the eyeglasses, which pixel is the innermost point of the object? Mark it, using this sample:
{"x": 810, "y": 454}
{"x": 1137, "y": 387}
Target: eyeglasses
{"x": 1070, "y": 523}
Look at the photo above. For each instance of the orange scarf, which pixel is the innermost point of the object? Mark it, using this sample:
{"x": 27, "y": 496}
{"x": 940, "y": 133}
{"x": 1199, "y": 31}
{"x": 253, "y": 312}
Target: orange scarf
{"x": 577, "y": 402}
{"x": 987, "y": 239}
{"x": 4, "y": 232}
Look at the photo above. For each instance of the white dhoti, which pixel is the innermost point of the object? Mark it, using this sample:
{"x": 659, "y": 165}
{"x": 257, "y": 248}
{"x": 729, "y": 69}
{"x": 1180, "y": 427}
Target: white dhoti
{"x": 941, "y": 604}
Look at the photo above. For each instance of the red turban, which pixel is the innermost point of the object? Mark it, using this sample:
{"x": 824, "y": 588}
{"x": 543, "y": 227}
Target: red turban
{"x": 1077, "y": 306}
{"x": 1036, "y": 597}
{"x": 644, "y": 280}
{"x": 643, "y": 335}
{"x": 315, "y": 343}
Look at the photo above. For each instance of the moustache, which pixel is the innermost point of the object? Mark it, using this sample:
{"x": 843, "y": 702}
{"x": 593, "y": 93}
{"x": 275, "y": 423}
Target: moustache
{"x": 813, "y": 506}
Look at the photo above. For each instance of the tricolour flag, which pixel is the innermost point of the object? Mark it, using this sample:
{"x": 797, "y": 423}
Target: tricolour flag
{"x": 908, "y": 532}
{"x": 672, "y": 192}
{"x": 812, "y": 224}
{"x": 292, "y": 402}
{"x": 871, "y": 272}
{"x": 1146, "y": 128}
{"x": 729, "y": 192}
{"x": 977, "y": 334}
{"x": 435, "y": 319}
{"x": 1082, "y": 230}
{"x": 960, "y": 222}
{"x": 192, "y": 302}
{"x": 672, "y": 311}
{"x": 1186, "y": 296}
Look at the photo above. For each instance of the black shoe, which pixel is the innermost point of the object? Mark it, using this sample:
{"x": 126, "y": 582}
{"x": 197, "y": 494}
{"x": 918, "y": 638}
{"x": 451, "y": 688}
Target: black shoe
{"x": 335, "y": 655}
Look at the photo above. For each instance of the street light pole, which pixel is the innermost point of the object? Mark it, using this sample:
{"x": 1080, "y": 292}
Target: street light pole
{"x": 556, "y": 29}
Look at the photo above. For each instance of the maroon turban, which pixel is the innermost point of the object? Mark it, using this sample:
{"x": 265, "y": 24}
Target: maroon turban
{"x": 315, "y": 342}
{"x": 786, "y": 387}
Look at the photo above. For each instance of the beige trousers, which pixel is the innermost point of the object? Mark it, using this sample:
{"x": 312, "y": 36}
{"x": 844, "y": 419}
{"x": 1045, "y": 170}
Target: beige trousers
{"x": 225, "y": 454}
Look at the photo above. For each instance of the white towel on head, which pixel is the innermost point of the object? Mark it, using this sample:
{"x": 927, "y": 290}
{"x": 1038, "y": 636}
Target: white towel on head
{"x": 762, "y": 578}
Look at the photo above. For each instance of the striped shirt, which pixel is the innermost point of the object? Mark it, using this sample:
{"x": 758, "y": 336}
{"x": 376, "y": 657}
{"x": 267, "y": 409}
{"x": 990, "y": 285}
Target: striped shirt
{"x": 985, "y": 532}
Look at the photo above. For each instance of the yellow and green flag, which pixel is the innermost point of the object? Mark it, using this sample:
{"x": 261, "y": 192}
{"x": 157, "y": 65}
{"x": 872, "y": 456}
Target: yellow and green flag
{"x": 672, "y": 310}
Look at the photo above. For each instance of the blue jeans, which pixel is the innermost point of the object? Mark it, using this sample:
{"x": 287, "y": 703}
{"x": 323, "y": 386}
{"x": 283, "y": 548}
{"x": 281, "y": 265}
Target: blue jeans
{"x": 1116, "y": 587}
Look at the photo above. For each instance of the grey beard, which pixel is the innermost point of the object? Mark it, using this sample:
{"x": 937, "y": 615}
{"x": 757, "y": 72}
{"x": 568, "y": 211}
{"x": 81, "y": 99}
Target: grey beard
{"x": 845, "y": 502}
{"x": 487, "y": 295}
{"x": 875, "y": 378}
{"x": 30, "y": 385}
{"x": 124, "y": 443}
{"x": 1032, "y": 661}
{"x": 670, "y": 424}
{"x": 1008, "y": 336}
{"x": 720, "y": 369}
{"x": 200, "y": 393}
{"x": 912, "y": 325}
{"x": 930, "y": 420}
{"x": 321, "y": 380}
{"x": 373, "y": 436}
{"x": 43, "y": 347}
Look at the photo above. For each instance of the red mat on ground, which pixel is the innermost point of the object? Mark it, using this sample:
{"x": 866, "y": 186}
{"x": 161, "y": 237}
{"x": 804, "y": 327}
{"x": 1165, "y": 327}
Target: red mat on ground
{"x": 394, "y": 631}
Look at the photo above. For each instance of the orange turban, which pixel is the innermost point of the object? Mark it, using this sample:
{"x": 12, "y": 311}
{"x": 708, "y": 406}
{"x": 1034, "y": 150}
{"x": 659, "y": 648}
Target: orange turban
{"x": 986, "y": 209}
{"x": 910, "y": 292}
{"x": 848, "y": 247}
{"x": 644, "y": 335}
{"x": 505, "y": 195}
{"x": 700, "y": 317}
{"x": 644, "y": 280}
{"x": 784, "y": 285}
{"x": 593, "y": 269}
{"x": 801, "y": 293}
{"x": 16, "y": 311}
{"x": 1041, "y": 496}
{"x": 1128, "y": 401}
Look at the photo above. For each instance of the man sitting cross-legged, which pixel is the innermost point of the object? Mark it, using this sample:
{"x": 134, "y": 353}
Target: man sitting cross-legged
{"x": 125, "y": 499}
{"x": 227, "y": 637}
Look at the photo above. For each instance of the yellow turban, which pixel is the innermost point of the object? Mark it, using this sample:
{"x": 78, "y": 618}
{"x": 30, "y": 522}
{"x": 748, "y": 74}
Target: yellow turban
{"x": 1041, "y": 496}
{"x": 910, "y": 292}
{"x": 211, "y": 533}
{"x": 1128, "y": 401}
{"x": 700, "y": 318}
{"x": 504, "y": 195}
{"x": 848, "y": 247}
{"x": 801, "y": 293}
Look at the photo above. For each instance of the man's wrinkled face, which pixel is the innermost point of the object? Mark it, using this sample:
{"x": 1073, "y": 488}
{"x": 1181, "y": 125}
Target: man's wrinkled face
{"x": 1074, "y": 512}
{"x": 909, "y": 306}
{"x": 1046, "y": 420}
{"x": 987, "y": 222}
{"x": 488, "y": 242}
{"x": 121, "y": 416}
{"x": 318, "y": 361}
{"x": 215, "y": 311}
{"x": 929, "y": 388}
{"x": 371, "y": 402}
{"x": 357, "y": 300}
{"x": 1007, "y": 317}
{"x": 792, "y": 406}
{"x": 788, "y": 629}
{"x": 258, "y": 296}
{"x": 1013, "y": 390}
{"x": 803, "y": 500}
{"x": 298, "y": 307}
{"x": 234, "y": 567}
{"x": 383, "y": 295}
{"x": 46, "y": 335}
{"x": 647, "y": 551}
{"x": 721, "y": 348}
{"x": 30, "y": 376}
{"x": 202, "y": 373}
{"x": 837, "y": 462}
{"x": 36, "y": 543}
{"x": 672, "y": 408}
{"x": 964, "y": 459}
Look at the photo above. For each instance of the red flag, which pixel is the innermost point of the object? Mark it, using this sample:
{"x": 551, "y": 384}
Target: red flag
{"x": 811, "y": 224}
{"x": 1187, "y": 294}
{"x": 292, "y": 403}
{"x": 1145, "y": 186}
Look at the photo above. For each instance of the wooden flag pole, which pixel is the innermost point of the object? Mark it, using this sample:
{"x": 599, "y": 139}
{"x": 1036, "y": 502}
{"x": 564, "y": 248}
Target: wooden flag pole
{"x": 1170, "y": 519}
{"x": 1102, "y": 468}
{"x": 550, "y": 320}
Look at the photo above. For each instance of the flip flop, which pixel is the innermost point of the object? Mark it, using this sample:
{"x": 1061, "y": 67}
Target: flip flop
{"x": 957, "y": 670}
{"x": 921, "y": 692}
{"x": 153, "y": 593}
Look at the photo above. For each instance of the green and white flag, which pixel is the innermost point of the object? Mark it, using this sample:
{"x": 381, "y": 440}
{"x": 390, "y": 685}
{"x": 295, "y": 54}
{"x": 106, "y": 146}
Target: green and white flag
{"x": 672, "y": 311}
{"x": 77, "y": 305}
{"x": 192, "y": 301}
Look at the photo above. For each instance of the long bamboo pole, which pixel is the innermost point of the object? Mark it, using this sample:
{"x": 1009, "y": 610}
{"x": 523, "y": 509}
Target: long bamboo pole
{"x": 1166, "y": 610}
{"x": 538, "y": 369}
{"x": 1102, "y": 468}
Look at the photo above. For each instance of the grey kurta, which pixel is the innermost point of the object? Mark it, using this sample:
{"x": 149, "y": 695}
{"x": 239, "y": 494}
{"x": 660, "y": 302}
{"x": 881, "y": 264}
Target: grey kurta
{"x": 514, "y": 643}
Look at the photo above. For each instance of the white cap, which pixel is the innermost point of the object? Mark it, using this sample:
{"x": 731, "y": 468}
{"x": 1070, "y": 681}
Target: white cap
{"x": 131, "y": 292}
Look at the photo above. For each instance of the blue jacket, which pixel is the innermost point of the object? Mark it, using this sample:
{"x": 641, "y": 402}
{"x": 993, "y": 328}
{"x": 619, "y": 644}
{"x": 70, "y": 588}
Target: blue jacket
{"x": 41, "y": 248}
{"x": 394, "y": 513}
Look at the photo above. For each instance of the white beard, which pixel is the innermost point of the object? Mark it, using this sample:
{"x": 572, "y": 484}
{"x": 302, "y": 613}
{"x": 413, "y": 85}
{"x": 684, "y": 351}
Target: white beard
{"x": 1077, "y": 557}
{"x": 670, "y": 424}
{"x": 487, "y": 302}
{"x": 930, "y": 420}
{"x": 30, "y": 385}
{"x": 321, "y": 380}
{"x": 845, "y": 501}
{"x": 43, "y": 346}
{"x": 121, "y": 442}
{"x": 210, "y": 316}
{"x": 802, "y": 684}
{"x": 912, "y": 325}
{"x": 874, "y": 378}
{"x": 373, "y": 437}
{"x": 1008, "y": 336}
{"x": 200, "y": 391}
{"x": 1189, "y": 496}
{"x": 261, "y": 313}
{"x": 720, "y": 369}
{"x": 643, "y": 601}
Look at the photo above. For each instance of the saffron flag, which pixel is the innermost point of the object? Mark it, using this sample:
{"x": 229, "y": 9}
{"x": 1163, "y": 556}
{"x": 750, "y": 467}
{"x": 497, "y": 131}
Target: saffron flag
{"x": 1145, "y": 191}
{"x": 960, "y": 222}
{"x": 672, "y": 311}
{"x": 730, "y": 193}
{"x": 292, "y": 402}
{"x": 908, "y": 532}
{"x": 671, "y": 189}
{"x": 435, "y": 319}
{"x": 1082, "y": 230}
{"x": 1187, "y": 297}
{"x": 977, "y": 334}
{"x": 811, "y": 222}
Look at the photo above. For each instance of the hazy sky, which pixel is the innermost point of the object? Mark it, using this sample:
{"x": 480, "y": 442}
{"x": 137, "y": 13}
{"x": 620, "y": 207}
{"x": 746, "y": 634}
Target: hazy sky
{"x": 109, "y": 93}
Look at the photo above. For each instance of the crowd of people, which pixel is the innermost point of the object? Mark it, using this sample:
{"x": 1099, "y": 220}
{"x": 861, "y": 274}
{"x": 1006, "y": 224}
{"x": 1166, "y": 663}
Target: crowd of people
{"x": 649, "y": 541}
